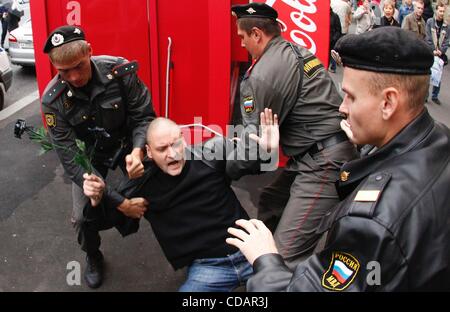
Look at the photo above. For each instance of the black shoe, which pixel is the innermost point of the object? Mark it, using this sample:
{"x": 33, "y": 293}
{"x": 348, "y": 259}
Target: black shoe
{"x": 436, "y": 101}
{"x": 93, "y": 275}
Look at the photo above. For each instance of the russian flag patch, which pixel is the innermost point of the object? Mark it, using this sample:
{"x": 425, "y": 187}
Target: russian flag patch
{"x": 341, "y": 272}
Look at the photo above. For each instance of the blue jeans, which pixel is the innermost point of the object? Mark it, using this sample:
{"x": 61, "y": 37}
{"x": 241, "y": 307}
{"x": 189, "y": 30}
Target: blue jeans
{"x": 435, "y": 91}
{"x": 217, "y": 274}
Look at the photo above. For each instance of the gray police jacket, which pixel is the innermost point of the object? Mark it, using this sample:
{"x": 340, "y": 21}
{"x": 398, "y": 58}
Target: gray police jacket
{"x": 298, "y": 89}
{"x": 124, "y": 112}
{"x": 391, "y": 233}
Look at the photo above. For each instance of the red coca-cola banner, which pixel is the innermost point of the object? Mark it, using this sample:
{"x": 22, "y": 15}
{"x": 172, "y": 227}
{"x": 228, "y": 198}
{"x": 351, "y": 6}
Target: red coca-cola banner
{"x": 305, "y": 22}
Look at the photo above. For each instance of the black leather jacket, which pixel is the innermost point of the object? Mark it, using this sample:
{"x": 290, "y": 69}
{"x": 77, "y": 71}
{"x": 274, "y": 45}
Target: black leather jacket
{"x": 392, "y": 231}
{"x": 124, "y": 112}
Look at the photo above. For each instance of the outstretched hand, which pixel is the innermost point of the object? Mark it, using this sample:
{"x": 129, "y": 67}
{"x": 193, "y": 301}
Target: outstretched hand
{"x": 270, "y": 134}
{"x": 254, "y": 240}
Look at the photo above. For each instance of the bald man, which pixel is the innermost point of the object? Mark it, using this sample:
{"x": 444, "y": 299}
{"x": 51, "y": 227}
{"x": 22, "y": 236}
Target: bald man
{"x": 190, "y": 205}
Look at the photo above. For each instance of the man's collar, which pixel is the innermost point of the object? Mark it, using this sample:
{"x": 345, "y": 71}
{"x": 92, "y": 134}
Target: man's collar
{"x": 403, "y": 142}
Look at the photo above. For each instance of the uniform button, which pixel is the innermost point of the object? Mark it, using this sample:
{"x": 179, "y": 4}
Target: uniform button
{"x": 116, "y": 106}
{"x": 379, "y": 178}
{"x": 93, "y": 118}
{"x": 85, "y": 118}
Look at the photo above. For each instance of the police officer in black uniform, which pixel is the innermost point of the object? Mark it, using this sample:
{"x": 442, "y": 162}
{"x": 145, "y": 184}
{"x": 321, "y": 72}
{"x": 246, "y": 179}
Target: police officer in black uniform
{"x": 101, "y": 101}
{"x": 391, "y": 231}
{"x": 292, "y": 82}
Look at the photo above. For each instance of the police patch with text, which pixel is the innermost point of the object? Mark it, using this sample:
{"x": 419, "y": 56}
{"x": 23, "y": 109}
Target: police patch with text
{"x": 312, "y": 66}
{"x": 342, "y": 271}
{"x": 249, "y": 104}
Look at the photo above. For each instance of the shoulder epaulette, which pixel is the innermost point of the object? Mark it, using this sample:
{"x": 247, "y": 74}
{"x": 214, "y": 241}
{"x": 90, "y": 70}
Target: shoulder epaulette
{"x": 54, "y": 92}
{"x": 369, "y": 194}
{"x": 125, "y": 69}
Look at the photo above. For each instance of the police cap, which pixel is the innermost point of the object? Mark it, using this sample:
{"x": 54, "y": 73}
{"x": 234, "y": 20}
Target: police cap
{"x": 386, "y": 50}
{"x": 63, "y": 35}
{"x": 254, "y": 9}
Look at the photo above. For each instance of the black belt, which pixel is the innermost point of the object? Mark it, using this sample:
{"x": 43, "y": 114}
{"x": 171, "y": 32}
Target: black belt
{"x": 321, "y": 145}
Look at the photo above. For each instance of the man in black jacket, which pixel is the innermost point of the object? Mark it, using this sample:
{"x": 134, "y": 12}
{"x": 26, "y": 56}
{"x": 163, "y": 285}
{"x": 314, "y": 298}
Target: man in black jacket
{"x": 391, "y": 231}
{"x": 190, "y": 204}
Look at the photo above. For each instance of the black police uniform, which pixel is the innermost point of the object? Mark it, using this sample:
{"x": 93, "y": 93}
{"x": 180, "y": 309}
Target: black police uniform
{"x": 391, "y": 232}
{"x": 114, "y": 100}
{"x": 292, "y": 82}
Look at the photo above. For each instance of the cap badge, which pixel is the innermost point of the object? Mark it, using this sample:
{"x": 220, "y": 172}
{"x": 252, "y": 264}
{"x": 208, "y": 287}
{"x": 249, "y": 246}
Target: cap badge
{"x": 77, "y": 31}
{"x": 57, "y": 39}
{"x": 251, "y": 11}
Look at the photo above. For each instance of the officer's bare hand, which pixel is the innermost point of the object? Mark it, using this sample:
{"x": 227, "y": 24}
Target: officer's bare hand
{"x": 134, "y": 165}
{"x": 270, "y": 134}
{"x": 93, "y": 187}
{"x": 254, "y": 239}
{"x": 134, "y": 207}
{"x": 348, "y": 131}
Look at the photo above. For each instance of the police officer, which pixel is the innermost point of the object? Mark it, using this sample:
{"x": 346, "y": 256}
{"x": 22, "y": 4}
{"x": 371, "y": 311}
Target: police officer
{"x": 292, "y": 82}
{"x": 390, "y": 232}
{"x": 101, "y": 101}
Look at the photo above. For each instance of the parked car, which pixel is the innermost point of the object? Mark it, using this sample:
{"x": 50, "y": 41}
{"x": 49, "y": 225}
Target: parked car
{"x": 5, "y": 76}
{"x": 21, "y": 50}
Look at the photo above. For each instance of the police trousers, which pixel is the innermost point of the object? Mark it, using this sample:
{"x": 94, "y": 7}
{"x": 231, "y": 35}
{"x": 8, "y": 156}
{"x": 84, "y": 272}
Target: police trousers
{"x": 87, "y": 229}
{"x": 295, "y": 202}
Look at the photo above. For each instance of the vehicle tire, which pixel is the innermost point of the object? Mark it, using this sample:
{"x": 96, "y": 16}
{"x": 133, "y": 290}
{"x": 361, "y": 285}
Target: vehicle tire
{"x": 2, "y": 96}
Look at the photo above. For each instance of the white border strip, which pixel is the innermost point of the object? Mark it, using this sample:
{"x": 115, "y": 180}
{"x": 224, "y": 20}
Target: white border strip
{"x": 18, "y": 105}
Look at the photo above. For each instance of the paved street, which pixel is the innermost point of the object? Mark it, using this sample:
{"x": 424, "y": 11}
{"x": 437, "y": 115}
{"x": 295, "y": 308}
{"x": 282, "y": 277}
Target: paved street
{"x": 37, "y": 239}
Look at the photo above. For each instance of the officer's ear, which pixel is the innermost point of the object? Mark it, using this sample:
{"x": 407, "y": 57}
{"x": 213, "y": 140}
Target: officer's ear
{"x": 256, "y": 33}
{"x": 90, "y": 51}
{"x": 390, "y": 104}
{"x": 149, "y": 152}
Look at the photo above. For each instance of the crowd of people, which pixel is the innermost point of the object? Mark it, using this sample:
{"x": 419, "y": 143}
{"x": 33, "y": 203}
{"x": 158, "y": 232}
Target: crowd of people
{"x": 10, "y": 16}
{"x": 366, "y": 181}
{"x": 427, "y": 23}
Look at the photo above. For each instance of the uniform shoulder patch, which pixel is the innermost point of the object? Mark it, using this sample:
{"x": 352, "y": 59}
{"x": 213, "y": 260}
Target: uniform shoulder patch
{"x": 50, "y": 120}
{"x": 311, "y": 66}
{"x": 125, "y": 69}
{"x": 342, "y": 271}
{"x": 249, "y": 104}
{"x": 54, "y": 92}
{"x": 367, "y": 196}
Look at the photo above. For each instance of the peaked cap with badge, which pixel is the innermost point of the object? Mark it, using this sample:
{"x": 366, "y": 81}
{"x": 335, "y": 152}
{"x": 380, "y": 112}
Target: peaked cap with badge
{"x": 63, "y": 35}
{"x": 386, "y": 50}
{"x": 254, "y": 9}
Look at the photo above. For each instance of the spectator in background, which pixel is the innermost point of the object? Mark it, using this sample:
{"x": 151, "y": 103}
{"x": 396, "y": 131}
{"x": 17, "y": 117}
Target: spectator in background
{"x": 335, "y": 34}
{"x": 364, "y": 17}
{"x": 343, "y": 9}
{"x": 388, "y": 17}
{"x": 405, "y": 9}
{"x": 395, "y": 11}
{"x": 437, "y": 39}
{"x": 4, "y": 20}
{"x": 414, "y": 21}
{"x": 14, "y": 16}
{"x": 427, "y": 10}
